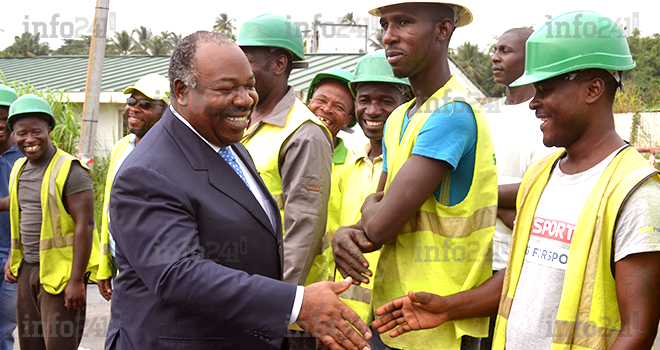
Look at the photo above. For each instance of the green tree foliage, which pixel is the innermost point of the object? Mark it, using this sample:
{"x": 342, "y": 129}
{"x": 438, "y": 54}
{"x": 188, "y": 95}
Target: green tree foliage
{"x": 75, "y": 46}
{"x": 223, "y": 25}
{"x": 158, "y": 46}
{"x": 141, "y": 41}
{"x": 143, "y": 38}
{"x": 376, "y": 39}
{"x": 121, "y": 43}
{"x": 27, "y": 45}
{"x": 99, "y": 174}
{"x": 642, "y": 84}
{"x": 478, "y": 66}
{"x": 348, "y": 19}
{"x": 174, "y": 39}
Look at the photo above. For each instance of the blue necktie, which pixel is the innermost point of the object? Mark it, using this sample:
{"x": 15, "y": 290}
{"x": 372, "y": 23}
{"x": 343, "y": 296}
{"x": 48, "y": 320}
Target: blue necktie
{"x": 228, "y": 156}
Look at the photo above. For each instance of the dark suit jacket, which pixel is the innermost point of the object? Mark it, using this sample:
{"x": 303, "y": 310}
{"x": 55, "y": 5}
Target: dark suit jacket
{"x": 199, "y": 260}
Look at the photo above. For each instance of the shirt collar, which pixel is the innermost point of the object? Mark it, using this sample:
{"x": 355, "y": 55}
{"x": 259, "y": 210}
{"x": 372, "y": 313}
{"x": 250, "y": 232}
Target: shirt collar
{"x": 215, "y": 148}
{"x": 131, "y": 139}
{"x": 363, "y": 152}
{"x": 340, "y": 153}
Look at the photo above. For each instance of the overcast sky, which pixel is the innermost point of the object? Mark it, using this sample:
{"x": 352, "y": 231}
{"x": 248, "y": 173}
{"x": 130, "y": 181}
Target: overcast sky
{"x": 74, "y": 17}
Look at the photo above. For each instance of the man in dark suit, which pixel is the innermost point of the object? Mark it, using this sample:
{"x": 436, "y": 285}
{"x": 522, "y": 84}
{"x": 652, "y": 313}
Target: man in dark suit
{"x": 198, "y": 237}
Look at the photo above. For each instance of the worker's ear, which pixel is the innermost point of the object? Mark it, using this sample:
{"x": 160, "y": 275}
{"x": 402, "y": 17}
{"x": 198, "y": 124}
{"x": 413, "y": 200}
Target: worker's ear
{"x": 279, "y": 64}
{"x": 595, "y": 90}
{"x": 444, "y": 30}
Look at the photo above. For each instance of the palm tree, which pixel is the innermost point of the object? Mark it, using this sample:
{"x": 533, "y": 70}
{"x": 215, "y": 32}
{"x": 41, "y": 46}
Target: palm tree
{"x": 174, "y": 39}
{"x": 23, "y": 45}
{"x": 27, "y": 45}
{"x": 376, "y": 40}
{"x": 40, "y": 49}
{"x": 122, "y": 43}
{"x": 158, "y": 46}
{"x": 144, "y": 36}
{"x": 223, "y": 25}
{"x": 348, "y": 19}
{"x": 473, "y": 62}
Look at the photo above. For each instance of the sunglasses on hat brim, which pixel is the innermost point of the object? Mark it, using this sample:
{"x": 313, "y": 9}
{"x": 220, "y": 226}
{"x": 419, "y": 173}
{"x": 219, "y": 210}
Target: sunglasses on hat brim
{"x": 144, "y": 104}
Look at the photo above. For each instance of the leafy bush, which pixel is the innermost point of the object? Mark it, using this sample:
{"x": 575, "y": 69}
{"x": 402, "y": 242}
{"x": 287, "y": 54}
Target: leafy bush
{"x": 101, "y": 165}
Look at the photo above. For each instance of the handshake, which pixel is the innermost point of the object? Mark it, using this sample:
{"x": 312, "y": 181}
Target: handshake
{"x": 326, "y": 317}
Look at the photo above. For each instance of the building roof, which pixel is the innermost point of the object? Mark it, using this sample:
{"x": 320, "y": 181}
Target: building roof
{"x": 70, "y": 72}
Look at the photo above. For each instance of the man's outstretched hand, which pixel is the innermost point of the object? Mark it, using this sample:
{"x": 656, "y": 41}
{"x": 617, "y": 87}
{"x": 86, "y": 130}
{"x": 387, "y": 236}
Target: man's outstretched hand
{"x": 348, "y": 246}
{"x": 413, "y": 312}
{"x": 328, "y": 319}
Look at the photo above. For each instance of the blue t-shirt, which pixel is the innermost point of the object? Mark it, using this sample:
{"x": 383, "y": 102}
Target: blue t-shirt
{"x": 7, "y": 160}
{"x": 450, "y": 135}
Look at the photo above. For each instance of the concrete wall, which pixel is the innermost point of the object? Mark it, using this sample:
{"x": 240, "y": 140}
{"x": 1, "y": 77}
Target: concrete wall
{"x": 648, "y": 132}
{"x": 109, "y": 127}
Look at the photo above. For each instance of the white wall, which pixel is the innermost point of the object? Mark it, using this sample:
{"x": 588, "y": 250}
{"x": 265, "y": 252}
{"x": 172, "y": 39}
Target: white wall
{"x": 648, "y": 133}
{"x": 110, "y": 127}
{"x": 110, "y": 119}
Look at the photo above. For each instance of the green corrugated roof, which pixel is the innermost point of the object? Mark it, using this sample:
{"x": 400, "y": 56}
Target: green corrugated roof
{"x": 70, "y": 72}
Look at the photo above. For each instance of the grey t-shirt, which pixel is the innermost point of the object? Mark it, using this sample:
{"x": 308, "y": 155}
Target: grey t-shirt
{"x": 536, "y": 302}
{"x": 29, "y": 200}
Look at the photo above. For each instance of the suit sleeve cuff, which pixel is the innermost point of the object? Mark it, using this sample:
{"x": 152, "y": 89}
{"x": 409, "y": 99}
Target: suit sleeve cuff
{"x": 297, "y": 304}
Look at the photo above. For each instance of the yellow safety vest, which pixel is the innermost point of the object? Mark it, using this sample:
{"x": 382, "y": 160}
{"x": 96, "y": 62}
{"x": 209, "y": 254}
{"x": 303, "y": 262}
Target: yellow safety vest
{"x": 57, "y": 226}
{"x": 106, "y": 264}
{"x": 442, "y": 249}
{"x": 358, "y": 181}
{"x": 340, "y": 158}
{"x": 320, "y": 268}
{"x": 264, "y": 145}
{"x": 588, "y": 316}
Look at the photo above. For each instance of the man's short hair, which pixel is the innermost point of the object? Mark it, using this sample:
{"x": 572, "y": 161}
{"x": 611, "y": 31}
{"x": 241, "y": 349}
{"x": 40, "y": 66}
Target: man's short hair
{"x": 183, "y": 61}
{"x": 592, "y": 73}
{"x": 523, "y": 33}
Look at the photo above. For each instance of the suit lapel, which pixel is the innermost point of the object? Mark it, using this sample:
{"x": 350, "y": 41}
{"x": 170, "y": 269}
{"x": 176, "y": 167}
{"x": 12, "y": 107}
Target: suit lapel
{"x": 221, "y": 175}
{"x": 243, "y": 153}
{"x": 225, "y": 179}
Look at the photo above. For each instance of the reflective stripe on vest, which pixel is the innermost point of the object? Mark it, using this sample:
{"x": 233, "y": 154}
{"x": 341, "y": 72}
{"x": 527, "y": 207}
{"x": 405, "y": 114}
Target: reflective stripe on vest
{"x": 106, "y": 263}
{"x": 264, "y": 146}
{"x": 443, "y": 249}
{"x": 57, "y": 228}
{"x": 588, "y": 315}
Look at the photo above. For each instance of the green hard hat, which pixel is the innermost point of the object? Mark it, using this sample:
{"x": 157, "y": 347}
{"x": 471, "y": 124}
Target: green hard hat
{"x": 373, "y": 67}
{"x": 332, "y": 73}
{"x": 574, "y": 41}
{"x": 27, "y": 104}
{"x": 7, "y": 95}
{"x": 271, "y": 30}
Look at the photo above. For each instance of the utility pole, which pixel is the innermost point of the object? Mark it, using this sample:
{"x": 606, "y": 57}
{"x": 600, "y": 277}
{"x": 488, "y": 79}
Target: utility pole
{"x": 93, "y": 86}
